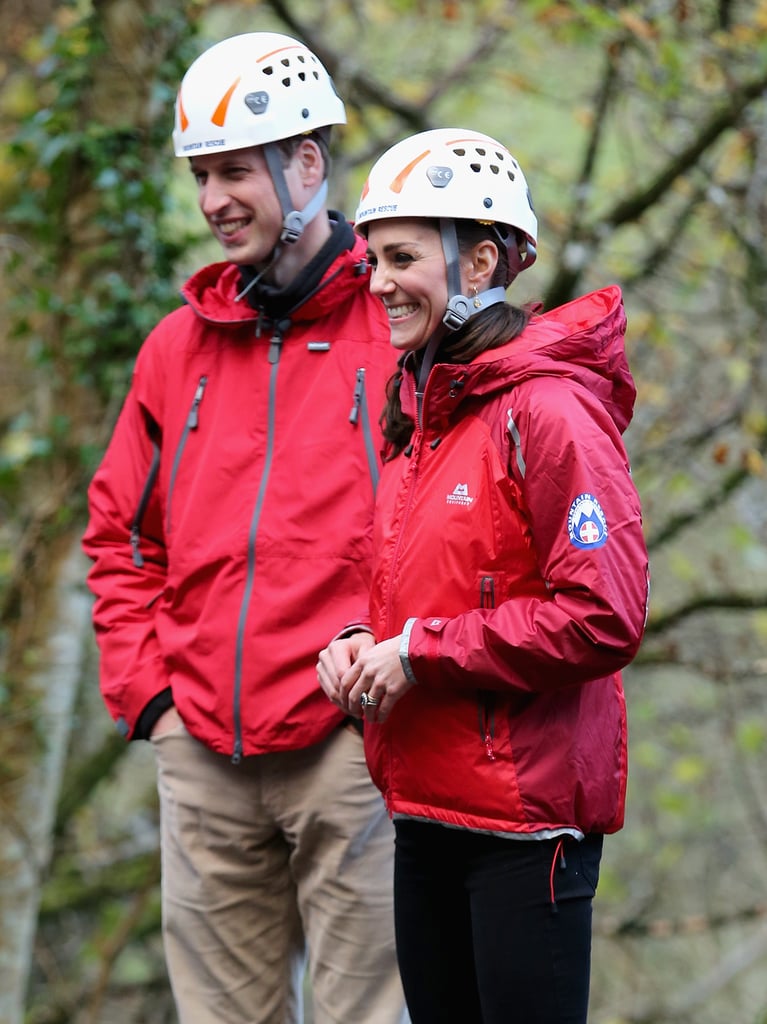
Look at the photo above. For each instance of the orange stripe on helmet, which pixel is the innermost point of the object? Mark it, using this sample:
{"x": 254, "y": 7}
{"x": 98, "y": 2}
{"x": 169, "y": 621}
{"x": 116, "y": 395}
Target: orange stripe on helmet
{"x": 183, "y": 120}
{"x": 219, "y": 114}
{"x": 399, "y": 182}
{"x": 281, "y": 49}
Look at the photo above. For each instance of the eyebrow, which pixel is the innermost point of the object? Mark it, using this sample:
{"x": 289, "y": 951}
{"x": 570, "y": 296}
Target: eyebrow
{"x": 391, "y": 246}
{"x": 229, "y": 161}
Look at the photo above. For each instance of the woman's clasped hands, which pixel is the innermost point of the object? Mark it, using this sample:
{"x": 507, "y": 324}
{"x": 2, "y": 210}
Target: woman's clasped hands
{"x": 363, "y": 678}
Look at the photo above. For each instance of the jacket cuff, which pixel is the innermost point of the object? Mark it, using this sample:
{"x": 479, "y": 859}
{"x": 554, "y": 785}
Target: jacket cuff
{"x": 348, "y": 631}
{"x": 146, "y": 720}
{"x": 404, "y": 657}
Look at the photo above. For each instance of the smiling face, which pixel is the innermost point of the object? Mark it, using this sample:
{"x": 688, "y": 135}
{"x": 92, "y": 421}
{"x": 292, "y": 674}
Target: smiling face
{"x": 410, "y": 277}
{"x": 237, "y": 198}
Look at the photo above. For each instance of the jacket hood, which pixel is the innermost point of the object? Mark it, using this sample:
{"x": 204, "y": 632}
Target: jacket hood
{"x": 213, "y": 291}
{"x": 581, "y": 341}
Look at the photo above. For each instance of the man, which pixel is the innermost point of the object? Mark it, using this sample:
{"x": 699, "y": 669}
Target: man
{"x": 230, "y": 530}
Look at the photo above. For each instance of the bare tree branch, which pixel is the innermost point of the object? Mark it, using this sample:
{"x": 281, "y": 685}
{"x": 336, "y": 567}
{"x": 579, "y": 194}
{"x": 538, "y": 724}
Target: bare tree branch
{"x": 678, "y": 523}
{"x": 723, "y": 602}
{"x": 634, "y": 206}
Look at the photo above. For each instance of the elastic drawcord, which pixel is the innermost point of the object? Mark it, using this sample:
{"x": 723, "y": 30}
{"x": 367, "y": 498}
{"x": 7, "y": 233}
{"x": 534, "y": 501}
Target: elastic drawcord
{"x": 558, "y": 851}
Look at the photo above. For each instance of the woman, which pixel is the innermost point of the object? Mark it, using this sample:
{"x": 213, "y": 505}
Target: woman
{"x": 510, "y": 589}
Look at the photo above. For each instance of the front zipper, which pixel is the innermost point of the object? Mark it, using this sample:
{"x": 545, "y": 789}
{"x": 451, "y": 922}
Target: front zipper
{"x": 192, "y": 422}
{"x": 275, "y": 350}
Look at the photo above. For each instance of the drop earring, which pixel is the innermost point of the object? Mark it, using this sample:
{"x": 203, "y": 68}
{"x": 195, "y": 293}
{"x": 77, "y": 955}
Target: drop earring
{"x": 477, "y": 300}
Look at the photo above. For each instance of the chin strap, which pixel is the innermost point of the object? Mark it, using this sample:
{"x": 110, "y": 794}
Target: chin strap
{"x": 429, "y": 355}
{"x": 460, "y": 307}
{"x": 521, "y": 255}
{"x": 257, "y": 278}
{"x": 293, "y": 221}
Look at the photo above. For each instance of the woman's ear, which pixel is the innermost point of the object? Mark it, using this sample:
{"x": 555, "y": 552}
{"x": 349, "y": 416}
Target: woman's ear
{"x": 481, "y": 265}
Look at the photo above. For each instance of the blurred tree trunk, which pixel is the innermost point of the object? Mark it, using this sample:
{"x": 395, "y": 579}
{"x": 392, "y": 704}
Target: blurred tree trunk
{"x": 111, "y": 62}
{"x": 29, "y": 799}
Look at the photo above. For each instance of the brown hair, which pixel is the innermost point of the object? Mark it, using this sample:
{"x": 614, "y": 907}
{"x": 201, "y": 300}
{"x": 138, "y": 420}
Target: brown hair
{"x": 491, "y": 328}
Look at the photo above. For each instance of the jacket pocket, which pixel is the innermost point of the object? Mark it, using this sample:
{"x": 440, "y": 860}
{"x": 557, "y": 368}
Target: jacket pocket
{"x": 486, "y": 699}
{"x": 192, "y": 423}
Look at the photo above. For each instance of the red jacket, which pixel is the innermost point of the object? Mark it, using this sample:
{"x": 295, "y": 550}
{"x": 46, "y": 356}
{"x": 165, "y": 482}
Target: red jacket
{"x": 512, "y": 536}
{"x": 231, "y": 517}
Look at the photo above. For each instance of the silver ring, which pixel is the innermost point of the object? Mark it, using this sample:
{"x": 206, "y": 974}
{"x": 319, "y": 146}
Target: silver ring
{"x": 366, "y": 701}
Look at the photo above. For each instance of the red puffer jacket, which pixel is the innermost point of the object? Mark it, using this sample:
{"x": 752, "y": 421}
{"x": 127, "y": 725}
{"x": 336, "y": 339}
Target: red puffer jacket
{"x": 231, "y": 517}
{"x": 509, "y": 543}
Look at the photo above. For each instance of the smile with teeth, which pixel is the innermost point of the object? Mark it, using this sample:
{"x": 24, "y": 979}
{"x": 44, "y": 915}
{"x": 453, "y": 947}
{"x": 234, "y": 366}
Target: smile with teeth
{"x": 231, "y": 227}
{"x": 398, "y": 312}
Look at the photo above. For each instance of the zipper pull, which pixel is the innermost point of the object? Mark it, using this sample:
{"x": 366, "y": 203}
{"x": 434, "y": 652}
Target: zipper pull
{"x": 489, "y": 746}
{"x": 274, "y": 349}
{"x": 359, "y": 390}
{"x": 194, "y": 417}
{"x": 277, "y": 335}
{"x": 487, "y": 592}
{"x": 138, "y": 558}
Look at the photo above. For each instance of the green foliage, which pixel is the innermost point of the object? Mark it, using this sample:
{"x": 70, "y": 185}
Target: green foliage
{"x": 90, "y": 259}
{"x": 94, "y": 194}
{"x": 751, "y": 736}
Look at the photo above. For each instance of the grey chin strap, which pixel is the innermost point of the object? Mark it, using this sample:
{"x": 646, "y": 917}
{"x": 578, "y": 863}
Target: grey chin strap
{"x": 460, "y": 307}
{"x": 293, "y": 221}
{"x": 521, "y": 255}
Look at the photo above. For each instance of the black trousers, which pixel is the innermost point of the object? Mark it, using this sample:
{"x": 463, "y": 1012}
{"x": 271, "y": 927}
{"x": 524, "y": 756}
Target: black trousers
{"x": 493, "y": 930}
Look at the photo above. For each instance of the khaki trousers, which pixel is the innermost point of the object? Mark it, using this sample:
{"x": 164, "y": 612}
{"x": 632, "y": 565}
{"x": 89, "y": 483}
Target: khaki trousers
{"x": 282, "y": 857}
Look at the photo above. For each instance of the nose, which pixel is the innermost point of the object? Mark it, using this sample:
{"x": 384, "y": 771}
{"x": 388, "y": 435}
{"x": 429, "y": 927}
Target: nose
{"x": 213, "y": 196}
{"x": 381, "y": 283}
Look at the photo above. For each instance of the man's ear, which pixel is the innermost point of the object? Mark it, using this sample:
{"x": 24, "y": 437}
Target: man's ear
{"x": 310, "y": 161}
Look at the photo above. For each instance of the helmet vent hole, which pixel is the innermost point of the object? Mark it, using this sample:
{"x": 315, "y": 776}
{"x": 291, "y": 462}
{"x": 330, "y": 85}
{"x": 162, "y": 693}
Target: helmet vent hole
{"x": 511, "y": 176}
{"x": 460, "y": 152}
{"x": 285, "y": 62}
{"x": 304, "y": 113}
{"x": 302, "y": 76}
{"x": 495, "y": 168}
{"x": 269, "y": 70}
{"x": 481, "y": 152}
{"x": 286, "y": 82}
{"x": 476, "y": 168}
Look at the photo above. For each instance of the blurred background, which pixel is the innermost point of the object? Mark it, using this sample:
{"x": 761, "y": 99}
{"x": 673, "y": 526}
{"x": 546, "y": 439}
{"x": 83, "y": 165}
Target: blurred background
{"x": 642, "y": 130}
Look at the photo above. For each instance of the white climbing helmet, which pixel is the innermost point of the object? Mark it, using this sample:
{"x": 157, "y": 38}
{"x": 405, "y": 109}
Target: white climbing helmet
{"x": 252, "y": 89}
{"x": 454, "y": 173}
